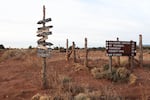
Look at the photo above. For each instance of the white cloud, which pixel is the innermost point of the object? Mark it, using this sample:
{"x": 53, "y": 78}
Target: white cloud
{"x": 98, "y": 20}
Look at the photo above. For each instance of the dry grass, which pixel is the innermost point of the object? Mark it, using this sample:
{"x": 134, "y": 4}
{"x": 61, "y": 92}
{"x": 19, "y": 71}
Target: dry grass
{"x": 121, "y": 74}
{"x": 17, "y": 54}
{"x": 13, "y": 54}
{"x": 64, "y": 87}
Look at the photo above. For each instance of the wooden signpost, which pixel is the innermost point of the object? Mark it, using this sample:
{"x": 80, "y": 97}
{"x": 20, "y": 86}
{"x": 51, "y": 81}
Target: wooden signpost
{"x": 120, "y": 48}
{"x": 43, "y": 51}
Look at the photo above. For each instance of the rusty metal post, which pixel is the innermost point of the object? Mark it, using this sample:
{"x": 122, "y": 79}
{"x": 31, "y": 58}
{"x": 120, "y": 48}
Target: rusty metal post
{"x": 74, "y": 53}
{"x": 67, "y": 54}
{"x": 86, "y": 54}
{"x": 118, "y": 57}
{"x": 141, "y": 51}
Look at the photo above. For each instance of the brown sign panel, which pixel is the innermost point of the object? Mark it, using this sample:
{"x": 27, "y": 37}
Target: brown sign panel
{"x": 121, "y": 48}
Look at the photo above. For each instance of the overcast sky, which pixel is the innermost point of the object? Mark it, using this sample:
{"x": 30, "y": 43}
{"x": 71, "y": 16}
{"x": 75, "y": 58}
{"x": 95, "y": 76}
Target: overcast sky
{"x": 98, "y": 20}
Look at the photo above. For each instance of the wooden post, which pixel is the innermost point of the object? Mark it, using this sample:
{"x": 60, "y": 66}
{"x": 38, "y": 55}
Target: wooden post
{"x": 130, "y": 60}
{"x": 44, "y": 77}
{"x": 118, "y": 57}
{"x": 132, "y": 64}
{"x": 110, "y": 63}
{"x": 141, "y": 51}
{"x": 86, "y": 54}
{"x": 67, "y": 54}
{"x": 43, "y": 15}
{"x": 74, "y": 53}
{"x": 132, "y": 56}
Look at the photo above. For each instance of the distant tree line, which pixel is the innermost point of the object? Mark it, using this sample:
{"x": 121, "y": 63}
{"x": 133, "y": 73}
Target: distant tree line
{"x": 62, "y": 49}
{"x": 145, "y": 47}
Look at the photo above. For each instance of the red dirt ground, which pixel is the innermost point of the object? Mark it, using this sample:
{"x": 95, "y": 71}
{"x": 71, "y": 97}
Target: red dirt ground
{"x": 20, "y": 79}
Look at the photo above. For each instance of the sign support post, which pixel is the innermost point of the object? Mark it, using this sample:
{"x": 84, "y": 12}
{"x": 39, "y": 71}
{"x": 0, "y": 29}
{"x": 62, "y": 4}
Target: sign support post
{"x": 44, "y": 77}
{"x": 118, "y": 57}
{"x": 110, "y": 63}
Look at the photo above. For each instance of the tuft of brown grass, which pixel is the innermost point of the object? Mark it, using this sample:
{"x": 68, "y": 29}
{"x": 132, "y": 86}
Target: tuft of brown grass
{"x": 82, "y": 96}
{"x": 15, "y": 54}
{"x": 41, "y": 97}
{"x": 132, "y": 79}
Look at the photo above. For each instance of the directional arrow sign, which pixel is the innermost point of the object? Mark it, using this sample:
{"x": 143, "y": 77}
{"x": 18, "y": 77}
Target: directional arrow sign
{"x": 48, "y": 43}
{"x": 43, "y": 39}
{"x": 43, "y": 28}
{"x": 44, "y": 43}
{"x": 44, "y": 21}
{"x": 44, "y": 33}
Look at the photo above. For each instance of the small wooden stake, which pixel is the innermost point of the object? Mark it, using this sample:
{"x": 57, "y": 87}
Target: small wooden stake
{"x": 74, "y": 53}
{"x": 67, "y": 52}
{"x": 141, "y": 51}
{"x": 86, "y": 54}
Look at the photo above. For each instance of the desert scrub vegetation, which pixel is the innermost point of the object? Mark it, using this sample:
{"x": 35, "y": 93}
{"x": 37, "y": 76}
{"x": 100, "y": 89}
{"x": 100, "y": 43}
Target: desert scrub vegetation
{"x": 15, "y": 54}
{"x": 63, "y": 87}
{"x": 120, "y": 74}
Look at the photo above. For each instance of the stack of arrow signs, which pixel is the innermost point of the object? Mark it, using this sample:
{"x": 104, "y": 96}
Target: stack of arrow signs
{"x": 43, "y": 32}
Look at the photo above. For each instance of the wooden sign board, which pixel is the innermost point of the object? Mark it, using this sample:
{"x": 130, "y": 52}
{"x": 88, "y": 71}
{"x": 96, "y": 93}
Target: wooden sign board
{"x": 44, "y": 43}
{"x": 44, "y": 34}
{"x": 46, "y": 27}
{"x": 121, "y": 48}
{"x": 43, "y": 53}
{"x": 42, "y": 30}
{"x": 43, "y": 38}
{"x": 44, "y": 21}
